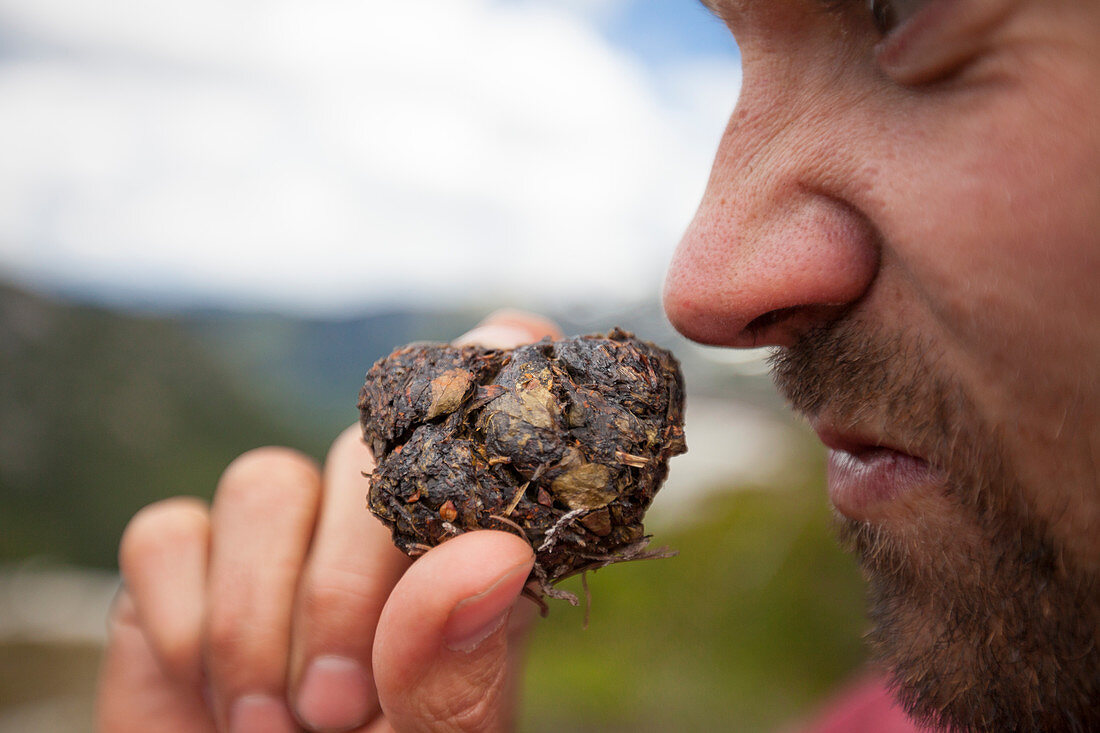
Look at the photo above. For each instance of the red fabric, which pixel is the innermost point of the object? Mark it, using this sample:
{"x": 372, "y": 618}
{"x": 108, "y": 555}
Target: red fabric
{"x": 866, "y": 706}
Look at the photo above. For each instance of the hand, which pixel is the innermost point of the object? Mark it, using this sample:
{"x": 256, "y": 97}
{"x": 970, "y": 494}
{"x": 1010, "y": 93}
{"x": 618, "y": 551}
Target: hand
{"x": 284, "y": 606}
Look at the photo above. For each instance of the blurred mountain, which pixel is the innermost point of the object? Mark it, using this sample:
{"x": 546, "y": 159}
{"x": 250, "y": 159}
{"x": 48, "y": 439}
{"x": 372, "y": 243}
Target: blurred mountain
{"x": 310, "y": 370}
{"x": 101, "y": 413}
{"x": 104, "y": 410}
{"x": 315, "y": 367}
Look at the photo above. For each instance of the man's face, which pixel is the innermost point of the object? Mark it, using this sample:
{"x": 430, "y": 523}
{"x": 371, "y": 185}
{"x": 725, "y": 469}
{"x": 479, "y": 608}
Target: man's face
{"x": 907, "y": 203}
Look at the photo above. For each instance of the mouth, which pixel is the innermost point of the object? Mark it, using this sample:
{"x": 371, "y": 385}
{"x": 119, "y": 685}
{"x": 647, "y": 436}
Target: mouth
{"x": 867, "y": 476}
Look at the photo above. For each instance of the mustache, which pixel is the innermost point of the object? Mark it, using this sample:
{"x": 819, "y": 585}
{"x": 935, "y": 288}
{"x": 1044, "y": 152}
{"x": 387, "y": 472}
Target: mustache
{"x": 846, "y": 367}
{"x": 897, "y": 384}
{"x": 861, "y": 375}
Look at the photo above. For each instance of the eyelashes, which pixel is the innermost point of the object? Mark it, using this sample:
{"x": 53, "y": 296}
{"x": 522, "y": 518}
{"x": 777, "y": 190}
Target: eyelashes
{"x": 921, "y": 41}
{"x": 885, "y": 15}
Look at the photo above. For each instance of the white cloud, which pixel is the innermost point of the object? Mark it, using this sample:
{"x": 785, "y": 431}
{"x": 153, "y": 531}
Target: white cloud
{"x": 318, "y": 155}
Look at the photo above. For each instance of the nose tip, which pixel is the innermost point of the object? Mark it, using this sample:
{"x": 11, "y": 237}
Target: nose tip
{"x": 762, "y": 280}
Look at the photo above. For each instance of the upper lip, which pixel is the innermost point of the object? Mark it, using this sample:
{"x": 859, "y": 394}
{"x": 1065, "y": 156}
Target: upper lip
{"x": 851, "y": 440}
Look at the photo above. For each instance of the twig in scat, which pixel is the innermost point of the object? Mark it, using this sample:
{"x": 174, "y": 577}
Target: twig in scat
{"x": 548, "y": 590}
{"x": 417, "y": 549}
{"x": 516, "y": 499}
{"x": 536, "y": 597}
{"x": 629, "y": 459}
{"x": 636, "y": 551}
{"x": 551, "y": 537}
{"x": 587, "y": 599}
{"x": 510, "y": 523}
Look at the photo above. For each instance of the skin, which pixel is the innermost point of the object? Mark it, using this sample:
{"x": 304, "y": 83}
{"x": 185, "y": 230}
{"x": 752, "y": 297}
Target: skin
{"x": 911, "y": 220}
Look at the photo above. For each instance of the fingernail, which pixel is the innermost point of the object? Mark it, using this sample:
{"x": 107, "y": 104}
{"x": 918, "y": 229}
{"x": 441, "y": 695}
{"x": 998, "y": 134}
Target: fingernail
{"x": 260, "y": 714}
{"x": 495, "y": 336}
{"x": 475, "y": 619}
{"x": 336, "y": 694}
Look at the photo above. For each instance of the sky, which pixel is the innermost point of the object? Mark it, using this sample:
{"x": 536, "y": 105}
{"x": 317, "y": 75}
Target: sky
{"x": 323, "y": 156}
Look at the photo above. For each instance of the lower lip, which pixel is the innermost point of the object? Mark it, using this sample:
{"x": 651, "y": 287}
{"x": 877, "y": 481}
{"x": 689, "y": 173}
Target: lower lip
{"x": 862, "y": 484}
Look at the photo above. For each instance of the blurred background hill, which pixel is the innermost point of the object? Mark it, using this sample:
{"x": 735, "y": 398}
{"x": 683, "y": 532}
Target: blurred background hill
{"x": 104, "y": 410}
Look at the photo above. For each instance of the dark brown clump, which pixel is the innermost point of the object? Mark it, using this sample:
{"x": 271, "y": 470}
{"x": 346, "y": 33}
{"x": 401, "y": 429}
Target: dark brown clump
{"x": 563, "y": 443}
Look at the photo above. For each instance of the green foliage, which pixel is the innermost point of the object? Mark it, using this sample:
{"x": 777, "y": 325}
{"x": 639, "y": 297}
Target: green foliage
{"x": 755, "y": 621}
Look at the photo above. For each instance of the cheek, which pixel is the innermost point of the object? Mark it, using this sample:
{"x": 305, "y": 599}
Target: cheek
{"x": 995, "y": 227}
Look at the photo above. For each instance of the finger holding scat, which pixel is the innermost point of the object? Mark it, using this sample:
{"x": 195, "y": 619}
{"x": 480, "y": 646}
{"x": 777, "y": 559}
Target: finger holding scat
{"x": 262, "y": 523}
{"x": 351, "y": 568}
{"x": 163, "y": 558}
{"x": 135, "y": 692}
{"x": 507, "y": 329}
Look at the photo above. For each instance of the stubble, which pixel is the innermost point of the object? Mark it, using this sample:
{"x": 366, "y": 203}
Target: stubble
{"x": 975, "y": 613}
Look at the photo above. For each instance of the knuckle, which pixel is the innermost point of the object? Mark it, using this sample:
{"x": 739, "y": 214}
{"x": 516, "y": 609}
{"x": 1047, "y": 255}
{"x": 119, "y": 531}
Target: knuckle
{"x": 227, "y": 636}
{"x": 180, "y": 653}
{"x": 163, "y": 527}
{"x": 242, "y": 640}
{"x": 337, "y": 600}
{"x": 240, "y": 653}
{"x": 537, "y": 326}
{"x": 122, "y": 616}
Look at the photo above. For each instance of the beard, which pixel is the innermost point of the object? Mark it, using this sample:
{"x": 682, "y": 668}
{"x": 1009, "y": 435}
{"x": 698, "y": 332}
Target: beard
{"x": 979, "y": 617}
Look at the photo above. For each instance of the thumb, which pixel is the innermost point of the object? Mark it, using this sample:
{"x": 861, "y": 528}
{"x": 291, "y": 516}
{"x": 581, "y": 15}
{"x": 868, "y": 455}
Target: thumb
{"x": 441, "y": 660}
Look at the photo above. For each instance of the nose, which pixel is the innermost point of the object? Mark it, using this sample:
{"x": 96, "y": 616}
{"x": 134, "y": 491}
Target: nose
{"x": 771, "y": 251}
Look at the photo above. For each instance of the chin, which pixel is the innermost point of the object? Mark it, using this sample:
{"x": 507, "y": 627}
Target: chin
{"x": 982, "y": 620}
{"x": 988, "y": 636}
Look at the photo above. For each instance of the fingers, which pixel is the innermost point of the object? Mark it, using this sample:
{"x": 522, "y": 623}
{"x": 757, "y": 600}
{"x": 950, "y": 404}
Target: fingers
{"x": 350, "y": 571}
{"x": 506, "y": 329}
{"x": 262, "y": 523}
{"x": 163, "y": 559}
{"x": 135, "y": 693}
{"x": 441, "y": 653}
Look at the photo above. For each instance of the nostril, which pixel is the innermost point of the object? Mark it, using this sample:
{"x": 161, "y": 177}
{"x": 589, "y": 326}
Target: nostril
{"x": 758, "y": 328}
{"x": 783, "y": 326}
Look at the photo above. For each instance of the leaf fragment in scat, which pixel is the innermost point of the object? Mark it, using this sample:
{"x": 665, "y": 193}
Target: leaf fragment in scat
{"x": 576, "y": 416}
{"x": 598, "y": 522}
{"x": 531, "y": 403}
{"x": 448, "y": 392}
{"x": 544, "y": 497}
{"x": 587, "y": 486}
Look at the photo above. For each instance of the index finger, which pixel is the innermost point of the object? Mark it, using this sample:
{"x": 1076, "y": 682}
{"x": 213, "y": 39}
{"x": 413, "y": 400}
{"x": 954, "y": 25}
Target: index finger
{"x": 507, "y": 329}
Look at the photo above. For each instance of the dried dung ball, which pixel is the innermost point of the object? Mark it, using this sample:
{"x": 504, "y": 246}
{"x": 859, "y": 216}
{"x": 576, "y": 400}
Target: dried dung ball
{"x": 563, "y": 443}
